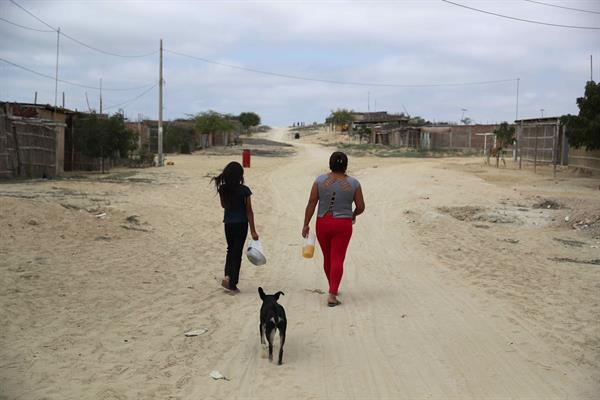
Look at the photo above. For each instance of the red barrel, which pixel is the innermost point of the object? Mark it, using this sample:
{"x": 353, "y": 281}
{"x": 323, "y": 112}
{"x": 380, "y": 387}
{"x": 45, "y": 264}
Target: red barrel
{"x": 246, "y": 158}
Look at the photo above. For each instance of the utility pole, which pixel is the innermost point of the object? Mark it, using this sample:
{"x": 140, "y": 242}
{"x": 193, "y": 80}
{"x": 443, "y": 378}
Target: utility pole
{"x": 517, "y": 108}
{"x": 56, "y": 75}
{"x": 591, "y": 69}
{"x": 100, "y": 96}
{"x": 35, "y": 98}
{"x": 542, "y": 111}
{"x": 160, "y": 108}
{"x": 368, "y": 101}
{"x": 63, "y": 102}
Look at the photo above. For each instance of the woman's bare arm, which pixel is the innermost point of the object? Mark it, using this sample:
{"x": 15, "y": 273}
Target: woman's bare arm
{"x": 359, "y": 201}
{"x": 250, "y": 216}
{"x": 310, "y": 208}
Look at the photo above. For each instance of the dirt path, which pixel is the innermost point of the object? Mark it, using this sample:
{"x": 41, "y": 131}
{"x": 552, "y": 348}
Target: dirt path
{"x": 420, "y": 318}
{"x": 404, "y": 330}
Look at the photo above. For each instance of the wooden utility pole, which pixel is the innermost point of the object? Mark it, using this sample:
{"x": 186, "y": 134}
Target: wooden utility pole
{"x": 35, "y": 98}
{"x": 56, "y": 75}
{"x": 100, "y": 96}
{"x": 160, "y": 108}
{"x": 517, "y": 108}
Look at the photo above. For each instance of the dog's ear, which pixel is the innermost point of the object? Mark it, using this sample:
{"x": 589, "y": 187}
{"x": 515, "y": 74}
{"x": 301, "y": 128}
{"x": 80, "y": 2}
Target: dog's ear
{"x": 261, "y": 293}
{"x": 276, "y": 295}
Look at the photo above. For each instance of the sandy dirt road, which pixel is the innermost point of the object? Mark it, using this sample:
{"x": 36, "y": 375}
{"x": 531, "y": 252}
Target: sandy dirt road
{"x": 434, "y": 307}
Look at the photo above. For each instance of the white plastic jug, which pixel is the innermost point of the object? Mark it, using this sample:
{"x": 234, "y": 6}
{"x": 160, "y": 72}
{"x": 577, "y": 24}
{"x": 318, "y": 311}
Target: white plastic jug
{"x": 255, "y": 253}
{"x": 308, "y": 250}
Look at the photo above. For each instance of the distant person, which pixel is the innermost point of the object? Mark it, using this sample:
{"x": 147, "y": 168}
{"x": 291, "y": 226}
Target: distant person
{"x": 334, "y": 192}
{"x": 235, "y": 199}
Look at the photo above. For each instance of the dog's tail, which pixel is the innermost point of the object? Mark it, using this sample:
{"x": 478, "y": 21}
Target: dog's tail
{"x": 261, "y": 293}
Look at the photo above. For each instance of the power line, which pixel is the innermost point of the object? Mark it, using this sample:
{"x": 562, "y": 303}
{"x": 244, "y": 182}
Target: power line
{"x": 563, "y": 7}
{"x": 520, "y": 19}
{"x": 79, "y": 41}
{"x": 68, "y": 82}
{"x": 33, "y": 15}
{"x": 336, "y": 82}
{"x": 107, "y": 52}
{"x": 25, "y": 27}
{"x": 133, "y": 99}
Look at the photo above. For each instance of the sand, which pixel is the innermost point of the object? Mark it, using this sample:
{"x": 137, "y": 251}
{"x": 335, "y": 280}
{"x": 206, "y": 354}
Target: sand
{"x": 455, "y": 285}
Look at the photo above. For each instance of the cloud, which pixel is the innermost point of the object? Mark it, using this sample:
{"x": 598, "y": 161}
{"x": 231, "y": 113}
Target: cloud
{"x": 381, "y": 41}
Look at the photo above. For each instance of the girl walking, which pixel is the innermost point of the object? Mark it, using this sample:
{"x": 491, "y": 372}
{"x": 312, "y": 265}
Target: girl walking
{"x": 235, "y": 199}
{"x": 334, "y": 192}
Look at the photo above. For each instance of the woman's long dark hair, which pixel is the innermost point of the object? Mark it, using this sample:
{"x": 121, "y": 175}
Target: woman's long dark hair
{"x": 228, "y": 182}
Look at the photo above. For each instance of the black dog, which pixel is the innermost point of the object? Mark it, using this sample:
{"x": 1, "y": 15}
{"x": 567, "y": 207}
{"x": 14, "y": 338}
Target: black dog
{"x": 272, "y": 317}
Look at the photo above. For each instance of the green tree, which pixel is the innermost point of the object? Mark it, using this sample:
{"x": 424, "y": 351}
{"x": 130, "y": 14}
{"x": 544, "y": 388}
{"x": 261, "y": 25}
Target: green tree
{"x": 505, "y": 134}
{"x": 363, "y": 132}
{"x": 340, "y": 116}
{"x": 179, "y": 137}
{"x": 213, "y": 122}
{"x": 466, "y": 121}
{"x": 417, "y": 121}
{"x": 584, "y": 130}
{"x": 249, "y": 119}
{"x": 98, "y": 137}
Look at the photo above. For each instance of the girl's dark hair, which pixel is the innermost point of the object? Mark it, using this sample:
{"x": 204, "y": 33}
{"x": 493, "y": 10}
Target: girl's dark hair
{"x": 338, "y": 162}
{"x": 228, "y": 182}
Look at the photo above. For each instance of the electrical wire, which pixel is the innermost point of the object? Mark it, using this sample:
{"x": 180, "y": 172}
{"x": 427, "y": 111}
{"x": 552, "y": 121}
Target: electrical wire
{"x": 563, "y": 7}
{"x": 68, "y": 82}
{"x": 107, "y": 52}
{"x": 79, "y": 41}
{"x": 336, "y": 82}
{"x": 25, "y": 27}
{"x": 33, "y": 15}
{"x": 127, "y": 102}
{"x": 520, "y": 19}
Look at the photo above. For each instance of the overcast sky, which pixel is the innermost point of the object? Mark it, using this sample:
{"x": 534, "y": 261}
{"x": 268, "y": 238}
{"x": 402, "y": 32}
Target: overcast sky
{"x": 374, "y": 42}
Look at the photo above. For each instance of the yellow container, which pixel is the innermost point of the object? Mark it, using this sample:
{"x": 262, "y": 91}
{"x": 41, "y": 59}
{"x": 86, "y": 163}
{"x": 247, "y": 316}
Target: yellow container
{"x": 308, "y": 250}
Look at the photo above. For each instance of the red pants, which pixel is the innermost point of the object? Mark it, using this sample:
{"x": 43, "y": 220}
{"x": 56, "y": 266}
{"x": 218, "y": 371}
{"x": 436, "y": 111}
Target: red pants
{"x": 334, "y": 235}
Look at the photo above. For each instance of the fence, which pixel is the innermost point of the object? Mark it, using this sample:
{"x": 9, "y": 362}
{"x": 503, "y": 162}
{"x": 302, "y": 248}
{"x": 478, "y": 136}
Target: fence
{"x": 542, "y": 141}
{"x": 585, "y": 159}
{"x": 28, "y": 147}
{"x": 458, "y": 137}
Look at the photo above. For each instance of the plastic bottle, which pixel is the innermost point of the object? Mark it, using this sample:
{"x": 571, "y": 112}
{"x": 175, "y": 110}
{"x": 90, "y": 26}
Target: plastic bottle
{"x": 308, "y": 250}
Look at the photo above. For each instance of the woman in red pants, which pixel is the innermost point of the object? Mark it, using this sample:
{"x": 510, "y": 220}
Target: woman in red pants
{"x": 334, "y": 192}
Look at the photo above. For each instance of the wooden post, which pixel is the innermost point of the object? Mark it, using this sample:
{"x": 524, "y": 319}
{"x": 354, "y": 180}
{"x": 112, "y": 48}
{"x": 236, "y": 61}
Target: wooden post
{"x": 17, "y": 150}
{"x": 72, "y": 143}
{"x": 470, "y": 134}
{"x": 555, "y": 149}
{"x": 535, "y": 153}
{"x": 160, "y": 108}
{"x": 519, "y": 138}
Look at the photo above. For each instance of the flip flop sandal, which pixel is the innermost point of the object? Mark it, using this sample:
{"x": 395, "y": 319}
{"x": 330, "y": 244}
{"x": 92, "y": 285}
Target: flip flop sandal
{"x": 225, "y": 284}
{"x": 337, "y": 303}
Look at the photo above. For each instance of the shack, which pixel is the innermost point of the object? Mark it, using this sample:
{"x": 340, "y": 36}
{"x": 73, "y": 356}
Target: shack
{"x": 31, "y": 140}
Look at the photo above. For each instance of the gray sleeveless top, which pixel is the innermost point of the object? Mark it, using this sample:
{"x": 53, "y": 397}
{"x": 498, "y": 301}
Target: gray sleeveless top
{"x": 336, "y": 196}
